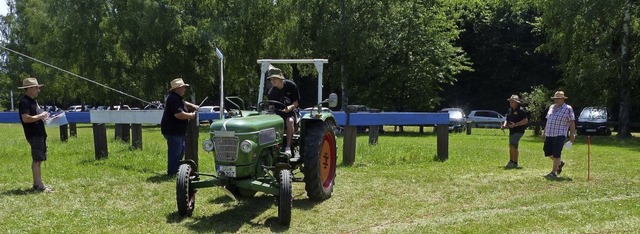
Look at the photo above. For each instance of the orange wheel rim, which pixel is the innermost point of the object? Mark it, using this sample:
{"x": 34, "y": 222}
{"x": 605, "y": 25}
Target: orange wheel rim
{"x": 328, "y": 160}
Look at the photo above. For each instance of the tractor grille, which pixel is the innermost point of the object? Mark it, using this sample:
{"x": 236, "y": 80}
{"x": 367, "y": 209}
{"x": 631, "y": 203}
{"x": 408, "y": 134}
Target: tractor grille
{"x": 226, "y": 148}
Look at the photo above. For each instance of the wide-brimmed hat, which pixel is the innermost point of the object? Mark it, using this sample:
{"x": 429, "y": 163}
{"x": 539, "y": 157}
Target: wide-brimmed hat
{"x": 30, "y": 82}
{"x": 559, "y": 95}
{"x": 177, "y": 83}
{"x": 515, "y": 98}
{"x": 274, "y": 72}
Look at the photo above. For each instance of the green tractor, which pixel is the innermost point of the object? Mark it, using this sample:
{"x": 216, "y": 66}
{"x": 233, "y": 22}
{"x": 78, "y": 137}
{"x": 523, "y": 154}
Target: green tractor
{"x": 249, "y": 158}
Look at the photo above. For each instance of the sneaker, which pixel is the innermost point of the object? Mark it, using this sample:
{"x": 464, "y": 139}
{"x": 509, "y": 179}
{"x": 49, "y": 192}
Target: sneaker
{"x": 560, "y": 167}
{"x": 551, "y": 175}
{"x": 45, "y": 189}
{"x": 511, "y": 165}
{"x": 287, "y": 151}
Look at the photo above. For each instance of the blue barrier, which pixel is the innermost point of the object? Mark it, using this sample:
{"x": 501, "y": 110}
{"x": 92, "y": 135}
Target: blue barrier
{"x": 72, "y": 117}
{"x": 355, "y": 119}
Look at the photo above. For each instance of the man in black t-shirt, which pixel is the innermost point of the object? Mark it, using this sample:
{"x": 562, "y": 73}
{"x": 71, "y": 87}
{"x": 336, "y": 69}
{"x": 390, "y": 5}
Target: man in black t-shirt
{"x": 285, "y": 91}
{"x": 32, "y": 119}
{"x": 173, "y": 125}
{"x": 517, "y": 120}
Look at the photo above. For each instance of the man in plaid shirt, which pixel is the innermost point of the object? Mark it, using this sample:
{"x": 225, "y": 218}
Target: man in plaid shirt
{"x": 560, "y": 119}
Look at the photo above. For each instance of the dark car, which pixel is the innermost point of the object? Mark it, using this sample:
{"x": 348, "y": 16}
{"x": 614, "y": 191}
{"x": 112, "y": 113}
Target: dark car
{"x": 592, "y": 121}
{"x": 457, "y": 119}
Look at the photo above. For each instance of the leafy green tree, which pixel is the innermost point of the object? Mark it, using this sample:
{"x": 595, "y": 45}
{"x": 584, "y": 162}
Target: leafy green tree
{"x": 595, "y": 41}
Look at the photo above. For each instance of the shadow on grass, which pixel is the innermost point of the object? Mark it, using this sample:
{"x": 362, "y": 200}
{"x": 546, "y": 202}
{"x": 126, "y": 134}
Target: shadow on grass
{"x": 235, "y": 216}
{"x": 559, "y": 179}
{"x": 160, "y": 178}
{"x": 18, "y": 192}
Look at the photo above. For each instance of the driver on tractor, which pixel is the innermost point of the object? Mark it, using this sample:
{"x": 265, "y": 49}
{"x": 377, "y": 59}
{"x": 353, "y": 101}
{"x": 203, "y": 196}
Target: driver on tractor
{"x": 286, "y": 92}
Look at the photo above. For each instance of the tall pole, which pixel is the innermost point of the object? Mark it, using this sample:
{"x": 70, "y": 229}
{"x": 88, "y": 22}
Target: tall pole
{"x": 11, "y": 99}
{"x": 343, "y": 86}
{"x": 221, "y": 56}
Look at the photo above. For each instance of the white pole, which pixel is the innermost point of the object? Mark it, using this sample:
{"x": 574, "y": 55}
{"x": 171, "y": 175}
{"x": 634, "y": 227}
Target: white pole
{"x": 11, "y": 100}
{"x": 221, "y": 56}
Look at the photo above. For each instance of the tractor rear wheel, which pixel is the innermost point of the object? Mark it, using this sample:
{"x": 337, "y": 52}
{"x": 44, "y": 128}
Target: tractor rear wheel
{"x": 319, "y": 160}
{"x": 185, "y": 194}
{"x": 285, "y": 198}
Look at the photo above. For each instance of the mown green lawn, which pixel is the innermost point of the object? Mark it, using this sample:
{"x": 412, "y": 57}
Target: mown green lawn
{"x": 394, "y": 187}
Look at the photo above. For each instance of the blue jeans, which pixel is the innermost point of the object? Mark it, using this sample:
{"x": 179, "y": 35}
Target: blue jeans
{"x": 175, "y": 152}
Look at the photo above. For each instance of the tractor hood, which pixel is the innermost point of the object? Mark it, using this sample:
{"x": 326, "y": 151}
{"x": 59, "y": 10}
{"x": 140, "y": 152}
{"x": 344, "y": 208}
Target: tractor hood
{"x": 249, "y": 124}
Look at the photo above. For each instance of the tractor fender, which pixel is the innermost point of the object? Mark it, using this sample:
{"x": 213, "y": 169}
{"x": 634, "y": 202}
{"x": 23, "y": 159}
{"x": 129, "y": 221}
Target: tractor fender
{"x": 193, "y": 164}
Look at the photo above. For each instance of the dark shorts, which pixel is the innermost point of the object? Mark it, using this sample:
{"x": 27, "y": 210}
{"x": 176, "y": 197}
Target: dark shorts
{"x": 38, "y": 148}
{"x": 514, "y": 138}
{"x": 553, "y": 146}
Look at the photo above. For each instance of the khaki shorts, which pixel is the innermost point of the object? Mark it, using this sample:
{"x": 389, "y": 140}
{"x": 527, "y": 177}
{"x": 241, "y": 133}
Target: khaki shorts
{"x": 38, "y": 148}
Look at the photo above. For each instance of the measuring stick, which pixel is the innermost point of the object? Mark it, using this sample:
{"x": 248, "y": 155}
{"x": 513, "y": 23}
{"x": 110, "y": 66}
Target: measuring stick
{"x": 588, "y": 158}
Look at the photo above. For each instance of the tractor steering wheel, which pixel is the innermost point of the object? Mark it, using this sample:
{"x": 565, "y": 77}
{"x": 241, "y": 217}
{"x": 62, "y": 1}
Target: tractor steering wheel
{"x": 271, "y": 106}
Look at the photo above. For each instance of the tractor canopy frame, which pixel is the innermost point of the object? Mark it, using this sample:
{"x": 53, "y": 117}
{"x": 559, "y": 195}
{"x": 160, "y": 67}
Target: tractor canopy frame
{"x": 319, "y": 63}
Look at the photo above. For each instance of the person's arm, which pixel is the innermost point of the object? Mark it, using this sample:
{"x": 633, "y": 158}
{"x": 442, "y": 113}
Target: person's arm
{"x": 191, "y": 106}
{"x": 572, "y": 130}
{"x": 522, "y": 122}
{"x": 185, "y": 115}
{"x": 291, "y": 107}
{"x": 34, "y": 118}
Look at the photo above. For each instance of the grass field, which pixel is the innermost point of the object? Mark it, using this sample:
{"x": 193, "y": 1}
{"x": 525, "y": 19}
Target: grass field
{"x": 394, "y": 187}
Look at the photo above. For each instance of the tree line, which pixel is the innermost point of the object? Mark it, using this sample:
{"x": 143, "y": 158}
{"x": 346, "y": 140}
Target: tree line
{"x": 395, "y": 55}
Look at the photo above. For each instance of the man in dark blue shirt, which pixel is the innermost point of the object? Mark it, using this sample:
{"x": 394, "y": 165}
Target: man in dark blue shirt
{"x": 285, "y": 91}
{"x": 517, "y": 120}
{"x": 173, "y": 125}
{"x": 32, "y": 119}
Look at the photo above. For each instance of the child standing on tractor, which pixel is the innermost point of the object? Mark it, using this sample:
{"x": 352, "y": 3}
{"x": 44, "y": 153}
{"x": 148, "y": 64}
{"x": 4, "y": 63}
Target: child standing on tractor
{"x": 286, "y": 92}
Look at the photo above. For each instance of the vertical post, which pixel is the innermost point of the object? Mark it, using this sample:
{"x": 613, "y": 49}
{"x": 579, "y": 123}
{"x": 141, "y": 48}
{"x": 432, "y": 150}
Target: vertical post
{"x": 11, "y": 99}
{"x": 100, "y": 140}
{"x": 191, "y": 141}
{"x": 421, "y": 129}
{"x": 73, "y": 131}
{"x": 373, "y": 130}
{"x": 126, "y": 132}
{"x": 442, "y": 133}
{"x": 468, "y": 127}
{"x": 64, "y": 133}
{"x": 118, "y": 131}
{"x": 136, "y": 136}
{"x": 349, "y": 142}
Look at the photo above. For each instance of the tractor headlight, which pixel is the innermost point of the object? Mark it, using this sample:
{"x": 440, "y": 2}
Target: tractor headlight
{"x": 246, "y": 146}
{"x": 207, "y": 145}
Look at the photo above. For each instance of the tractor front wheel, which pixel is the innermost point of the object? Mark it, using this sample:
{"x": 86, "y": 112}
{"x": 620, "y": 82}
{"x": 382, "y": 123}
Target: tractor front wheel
{"x": 185, "y": 194}
{"x": 319, "y": 160}
{"x": 285, "y": 198}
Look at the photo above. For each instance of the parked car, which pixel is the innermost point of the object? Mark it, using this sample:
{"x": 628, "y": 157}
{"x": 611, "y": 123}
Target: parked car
{"x": 78, "y": 108}
{"x": 486, "y": 118}
{"x": 155, "y": 105}
{"x": 100, "y": 108}
{"x": 119, "y": 107}
{"x": 457, "y": 119}
{"x": 211, "y": 109}
{"x": 593, "y": 120}
{"x": 49, "y": 108}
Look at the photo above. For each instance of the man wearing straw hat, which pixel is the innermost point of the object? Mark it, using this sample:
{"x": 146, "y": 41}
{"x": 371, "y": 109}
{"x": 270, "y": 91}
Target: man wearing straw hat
{"x": 32, "y": 119}
{"x": 285, "y": 91}
{"x": 173, "y": 125}
{"x": 516, "y": 122}
{"x": 560, "y": 119}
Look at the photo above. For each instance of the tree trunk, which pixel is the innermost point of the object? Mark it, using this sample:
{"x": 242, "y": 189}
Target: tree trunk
{"x": 625, "y": 75}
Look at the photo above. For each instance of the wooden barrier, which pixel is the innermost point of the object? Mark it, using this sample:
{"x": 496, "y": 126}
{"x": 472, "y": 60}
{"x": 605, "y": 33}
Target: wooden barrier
{"x": 64, "y": 134}
{"x": 73, "y": 131}
{"x": 100, "y": 140}
{"x": 353, "y": 119}
{"x": 136, "y": 133}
